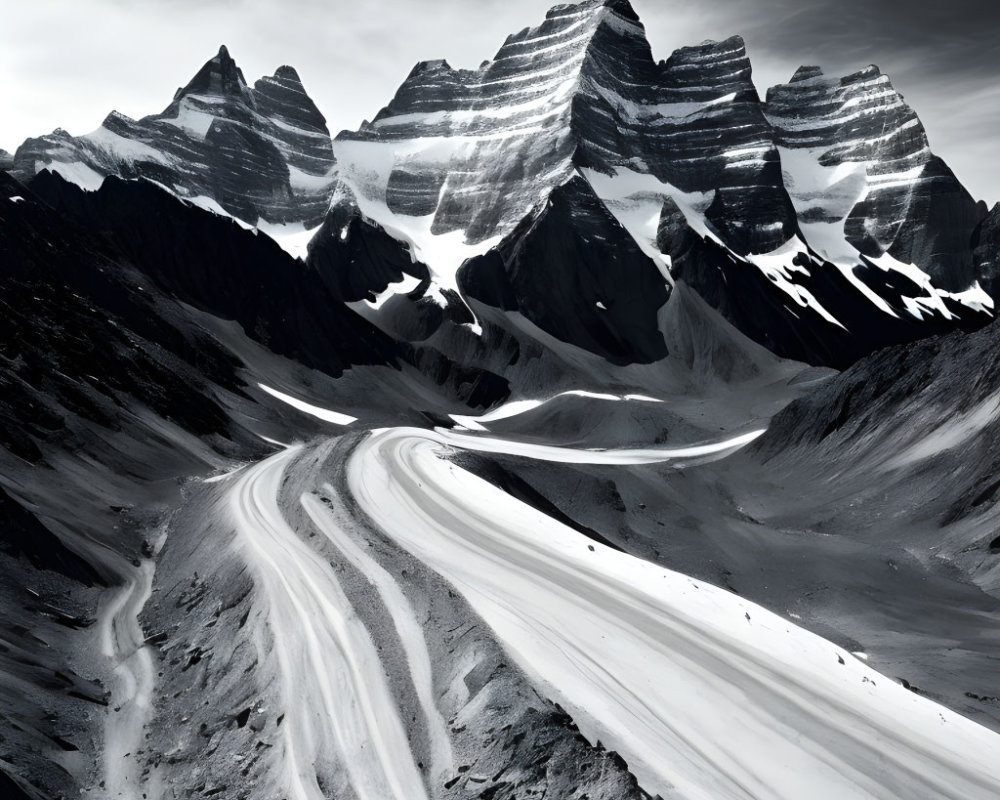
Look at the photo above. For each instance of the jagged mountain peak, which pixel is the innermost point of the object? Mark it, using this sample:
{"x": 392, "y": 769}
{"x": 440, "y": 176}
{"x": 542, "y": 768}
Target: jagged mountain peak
{"x": 734, "y": 44}
{"x": 710, "y": 69}
{"x": 621, "y": 7}
{"x": 529, "y": 98}
{"x": 287, "y": 73}
{"x": 283, "y": 97}
{"x": 584, "y": 19}
{"x": 219, "y": 77}
{"x": 432, "y": 66}
{"x": 865, "y": 73}
{"x": 869, "y": 77}
{"x": 578, "y": 96}
{"x": 825, "y": 195}
{"x": 258, "y": 153}
{"x": 570, "y": 33}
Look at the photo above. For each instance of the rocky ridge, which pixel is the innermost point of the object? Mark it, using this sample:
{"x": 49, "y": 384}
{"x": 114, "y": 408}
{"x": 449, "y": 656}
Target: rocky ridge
{"x": 260, "y": 153}
{"x": 823, "y": 204}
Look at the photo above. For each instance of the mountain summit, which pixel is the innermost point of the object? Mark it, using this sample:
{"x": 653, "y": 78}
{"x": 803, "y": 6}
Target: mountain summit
{"x": 258, "y": 153}
{"x": 818, "y": 222}
{"x": 220, "y": 77}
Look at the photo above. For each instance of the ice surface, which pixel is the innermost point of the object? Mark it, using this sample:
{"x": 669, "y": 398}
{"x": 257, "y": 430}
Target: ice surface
{"x": 705, "y": 695}
{"x": 405, "y": 619}
{"x": 123, "y": 644}
{"x": 337, "y": 695}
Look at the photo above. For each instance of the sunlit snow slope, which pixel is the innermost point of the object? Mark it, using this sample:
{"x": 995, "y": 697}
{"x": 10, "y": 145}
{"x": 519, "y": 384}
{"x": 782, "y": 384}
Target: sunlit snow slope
{"x": 702, "y": 693}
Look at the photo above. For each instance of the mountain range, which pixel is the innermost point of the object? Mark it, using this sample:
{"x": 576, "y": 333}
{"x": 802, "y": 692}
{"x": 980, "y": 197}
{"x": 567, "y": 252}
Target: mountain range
{"x": 580, "y": 426}
{"x": 818, "y": 221}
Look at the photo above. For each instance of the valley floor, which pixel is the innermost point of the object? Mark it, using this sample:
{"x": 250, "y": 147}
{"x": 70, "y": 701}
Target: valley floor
{"x": 412, "y": 621}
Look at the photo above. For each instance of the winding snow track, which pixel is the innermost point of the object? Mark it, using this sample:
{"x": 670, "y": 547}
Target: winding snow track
{"x": 705, "y": 695}
{"x": 404, "y": 619}
{"x": 123, "y": 642}
{"x": 336, "y": 694}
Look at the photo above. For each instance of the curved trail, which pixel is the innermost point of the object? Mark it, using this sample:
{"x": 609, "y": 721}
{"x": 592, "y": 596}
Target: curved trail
{"x": 123, "y": 642}
{"x": 404, "y": 619}
{"x": 704, "y": 694}
{"x": 337, "y": 696}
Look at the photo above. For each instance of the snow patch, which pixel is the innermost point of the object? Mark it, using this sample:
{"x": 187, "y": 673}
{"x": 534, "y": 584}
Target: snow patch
{"x": 779, "y": 268}
{"x": 293, "y": 237}
{"x": 123, "y": 150}
{"x": 307, "y": 408}
{"x": 192, "y": 120}
{"x": 75, "y": 172}
{"x": 403, "y": 286}
{"x": 304, "y": 183}
{"x": 514, "y": 408}
{"x": 568, "y": 455}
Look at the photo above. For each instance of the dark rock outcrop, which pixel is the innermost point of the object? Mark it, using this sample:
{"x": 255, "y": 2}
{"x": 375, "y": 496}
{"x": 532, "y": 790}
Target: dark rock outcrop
{"x": 986, "y": 251}
{"x": 575, "y": 272}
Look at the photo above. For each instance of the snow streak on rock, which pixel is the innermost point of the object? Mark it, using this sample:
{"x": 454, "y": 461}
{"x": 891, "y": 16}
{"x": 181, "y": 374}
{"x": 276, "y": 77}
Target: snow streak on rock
{"x": 856, "y": 157}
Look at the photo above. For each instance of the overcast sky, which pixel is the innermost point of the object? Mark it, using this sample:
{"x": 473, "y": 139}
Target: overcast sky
{"x": 66, "y": 63}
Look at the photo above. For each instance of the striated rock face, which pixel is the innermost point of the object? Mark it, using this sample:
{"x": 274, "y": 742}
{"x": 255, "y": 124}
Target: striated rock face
{"x": 857, "y": 161}
{"x": 6, "y": 160}
{"x": 824, "y": 205}
{"x": 459, "y": 158}
{"x": 581, "y": 91}
{"x": 259, "y": 153}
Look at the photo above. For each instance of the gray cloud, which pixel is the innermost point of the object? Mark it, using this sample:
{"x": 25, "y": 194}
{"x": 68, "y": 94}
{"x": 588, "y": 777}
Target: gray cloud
{"x": 68, "y": 64}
